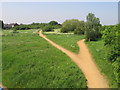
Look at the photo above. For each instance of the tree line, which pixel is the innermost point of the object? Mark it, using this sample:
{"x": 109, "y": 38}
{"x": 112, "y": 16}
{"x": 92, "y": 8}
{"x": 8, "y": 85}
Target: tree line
{"x": 91, "y": 28}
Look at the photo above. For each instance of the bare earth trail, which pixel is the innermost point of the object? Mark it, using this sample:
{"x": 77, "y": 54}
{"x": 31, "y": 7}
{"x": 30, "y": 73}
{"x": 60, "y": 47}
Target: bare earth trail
{"x": 1, "y": 86}
{"x": 85, "y": 62}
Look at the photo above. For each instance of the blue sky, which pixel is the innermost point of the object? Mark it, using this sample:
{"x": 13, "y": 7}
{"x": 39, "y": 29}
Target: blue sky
{"x": 29, "y": 12}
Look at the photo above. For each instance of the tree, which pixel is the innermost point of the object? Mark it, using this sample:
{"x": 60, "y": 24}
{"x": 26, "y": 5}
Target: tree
{"x": 93, "y": 28}
{"x": 80, "y": 29}
{"x": 70, "y": 25}
{"x": 47, "y": 28}
{"x": 53, "y": 23}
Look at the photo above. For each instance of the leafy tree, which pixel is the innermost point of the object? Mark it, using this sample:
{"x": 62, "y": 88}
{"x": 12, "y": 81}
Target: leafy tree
{"x": 70, "y": 25}
{"x": 21, "y": 27}
{"x": 53, "y": 23}
{"x": 93, "y": 27}
{"x": 47, "y": 28}
{"x": 64, "y": 30}
{"x": 80, "y": 29}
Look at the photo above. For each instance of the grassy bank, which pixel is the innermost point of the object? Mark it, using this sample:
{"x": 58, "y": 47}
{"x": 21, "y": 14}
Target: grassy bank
{"x": 68, "y": 41}
{"x": 97, "y": 49}
{"x": 31, "y": 62}
{"x": 99, "y": 53}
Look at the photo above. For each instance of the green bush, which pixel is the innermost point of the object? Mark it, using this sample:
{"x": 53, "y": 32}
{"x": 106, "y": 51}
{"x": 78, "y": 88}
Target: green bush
{"x": 111, "y": 38}
{"x": 64, "y": 30}
{"x": 48, "y": 28}
{"x": 79, "y": 31}
{"x": 73, "y": 25}
{"x": 116, "y": 65}
{"x": 21, "y": 27}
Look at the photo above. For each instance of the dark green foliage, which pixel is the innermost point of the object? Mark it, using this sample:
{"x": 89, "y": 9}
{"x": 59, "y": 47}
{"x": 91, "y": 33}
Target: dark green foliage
{"x": 53, "y": 23}
{"x": 93, "y": 28}
{"x": 30, "y": 26}
{"x": 48, "y": 28}
{"x": 116, "y": 65}
{"x": 57, "y": 26}
{"x": 80, "y": 29}
{"x": 37, "y": 25}
{"x": 111, "y": 36}
{"x": 64, "y": 30}
{"x": 21, "y": 27}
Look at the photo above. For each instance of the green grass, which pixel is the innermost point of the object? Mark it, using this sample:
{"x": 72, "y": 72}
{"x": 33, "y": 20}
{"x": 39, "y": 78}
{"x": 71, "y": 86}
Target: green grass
{"x": 5, "y": 32}
{"x": 68, "y": 41}
{"x": 57, "y": 30}
{"x": 31, "y": 62}
{"x": 99, "y": 53}
{"x": 97, "y": 49}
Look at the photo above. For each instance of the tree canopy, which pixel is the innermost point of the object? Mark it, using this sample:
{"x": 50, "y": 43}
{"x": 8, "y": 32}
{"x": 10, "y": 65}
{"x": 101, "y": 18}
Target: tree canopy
{"x": 73, "y": 25}
{"x": 93, "y": 27}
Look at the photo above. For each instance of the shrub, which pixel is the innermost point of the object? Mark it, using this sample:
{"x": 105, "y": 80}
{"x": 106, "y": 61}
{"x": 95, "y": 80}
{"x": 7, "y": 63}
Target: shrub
{"x": 73, "y": 25}
{"x": 47, "y": 28}
{"x": 78, "y": 31}
{"x": 64, "y": 30}
{"x": 111, "y": 38}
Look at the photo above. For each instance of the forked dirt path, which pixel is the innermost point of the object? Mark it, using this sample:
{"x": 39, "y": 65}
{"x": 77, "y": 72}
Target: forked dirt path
{"x": 85, "y": 62}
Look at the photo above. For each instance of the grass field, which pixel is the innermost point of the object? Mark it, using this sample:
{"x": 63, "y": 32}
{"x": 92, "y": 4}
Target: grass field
{"x": 99, "y": 53}
{"x": 97, "y": 49}
{"x": 31, "y": 62}
{"x": 68, "y": 41}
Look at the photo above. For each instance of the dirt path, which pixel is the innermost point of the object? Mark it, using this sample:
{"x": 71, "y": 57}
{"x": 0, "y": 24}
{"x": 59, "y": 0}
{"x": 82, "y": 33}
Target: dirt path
{"x": 85, "y": 62}
{"x": 1, "y": 86}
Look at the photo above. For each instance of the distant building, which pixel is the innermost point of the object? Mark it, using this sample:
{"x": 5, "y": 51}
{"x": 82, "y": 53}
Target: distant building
{"x": 8, "y": 26}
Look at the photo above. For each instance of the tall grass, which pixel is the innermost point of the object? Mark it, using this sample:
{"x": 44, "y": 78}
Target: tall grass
{"x": 97, "y": 49}
{"x": 31, "y": 62}
{"x": 99, "y": 53}
{"x": 68, "y": 41}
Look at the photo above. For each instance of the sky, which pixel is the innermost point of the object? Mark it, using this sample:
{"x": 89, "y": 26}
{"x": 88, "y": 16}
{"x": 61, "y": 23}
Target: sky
{"x": 43, "y": 12}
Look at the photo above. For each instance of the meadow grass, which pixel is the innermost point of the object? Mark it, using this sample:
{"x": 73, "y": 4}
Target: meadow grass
{"x": 57, "y": 30}
{"x": 68, "y": 41}
{"x": 31, "y": 62}
{"x": 99, "y": 53}
{"x": 97, "y": 49}
{"x": 5, "y": 32}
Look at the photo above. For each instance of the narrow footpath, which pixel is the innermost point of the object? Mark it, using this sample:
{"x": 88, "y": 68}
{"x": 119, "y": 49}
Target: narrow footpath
{"x": 84, "y": 61}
